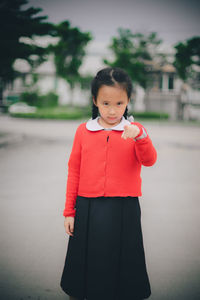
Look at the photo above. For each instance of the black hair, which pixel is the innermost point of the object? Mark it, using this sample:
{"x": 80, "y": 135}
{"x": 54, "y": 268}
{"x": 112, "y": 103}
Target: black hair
{"x": 110, "y": 76}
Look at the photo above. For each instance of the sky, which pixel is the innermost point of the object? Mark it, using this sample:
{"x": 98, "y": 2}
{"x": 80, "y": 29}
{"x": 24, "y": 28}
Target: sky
{"x": 173, "y": 20}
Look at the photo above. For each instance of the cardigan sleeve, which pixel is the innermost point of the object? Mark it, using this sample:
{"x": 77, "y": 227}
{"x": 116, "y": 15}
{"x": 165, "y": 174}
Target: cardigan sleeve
{"x": 73, "y": 175}
{"x": 145, "y": 151}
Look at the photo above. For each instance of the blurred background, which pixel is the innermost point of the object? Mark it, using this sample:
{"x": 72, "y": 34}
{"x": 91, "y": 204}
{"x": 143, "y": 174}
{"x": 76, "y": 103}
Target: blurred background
{"x": 49, "y": 53}
{"x": 51, "y": 50}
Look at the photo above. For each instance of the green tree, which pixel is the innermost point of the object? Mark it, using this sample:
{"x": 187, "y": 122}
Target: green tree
{"x": 16, "y": 23}
{"x": 187, "y": 57}
{"x": 69, "y": 53}
{"x": 130, "y": 52}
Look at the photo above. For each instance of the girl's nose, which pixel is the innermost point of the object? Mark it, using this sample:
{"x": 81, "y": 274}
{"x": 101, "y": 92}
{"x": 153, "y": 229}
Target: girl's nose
{"x": 112, "y": 110}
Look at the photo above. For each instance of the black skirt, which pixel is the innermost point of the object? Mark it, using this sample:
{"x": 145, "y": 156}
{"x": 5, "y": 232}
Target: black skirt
{"x": 105, "y": 258}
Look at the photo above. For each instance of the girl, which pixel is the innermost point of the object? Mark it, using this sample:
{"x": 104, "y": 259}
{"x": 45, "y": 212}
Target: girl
{"x": 105, "y": 259}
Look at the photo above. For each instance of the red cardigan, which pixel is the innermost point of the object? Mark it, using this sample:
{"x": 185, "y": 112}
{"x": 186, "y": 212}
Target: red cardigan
{"x": 104, "y": 164}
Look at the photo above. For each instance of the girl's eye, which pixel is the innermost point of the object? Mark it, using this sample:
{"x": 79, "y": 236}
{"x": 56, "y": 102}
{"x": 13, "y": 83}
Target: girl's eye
{"x": 105, "y": 103}
{"x": 119, "y": 103}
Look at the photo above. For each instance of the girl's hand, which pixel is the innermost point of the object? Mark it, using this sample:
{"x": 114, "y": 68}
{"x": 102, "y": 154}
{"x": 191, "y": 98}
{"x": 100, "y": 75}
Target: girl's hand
{"x": 69, "y": 225}
{"x": 130, "y": 131}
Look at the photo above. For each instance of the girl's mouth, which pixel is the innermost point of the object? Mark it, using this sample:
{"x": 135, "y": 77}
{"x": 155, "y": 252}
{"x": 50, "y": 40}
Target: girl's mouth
{"x": 112, "y": 118}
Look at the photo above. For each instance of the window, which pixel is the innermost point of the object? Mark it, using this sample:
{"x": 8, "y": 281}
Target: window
{"x": 171, "y": 82}
{"x": 160, "y": 82}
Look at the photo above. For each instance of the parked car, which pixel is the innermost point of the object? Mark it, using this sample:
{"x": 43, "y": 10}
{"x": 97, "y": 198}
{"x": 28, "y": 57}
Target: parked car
{"x": 21, "y": 107}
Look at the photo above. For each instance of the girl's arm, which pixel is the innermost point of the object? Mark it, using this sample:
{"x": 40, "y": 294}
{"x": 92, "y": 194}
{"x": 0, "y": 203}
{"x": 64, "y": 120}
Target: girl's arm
{"x": 145, "y": 151}
{"x": 73, "y": 175}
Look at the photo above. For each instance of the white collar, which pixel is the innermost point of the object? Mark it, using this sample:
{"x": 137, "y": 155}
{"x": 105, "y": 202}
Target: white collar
{"x": 93, "y": 124}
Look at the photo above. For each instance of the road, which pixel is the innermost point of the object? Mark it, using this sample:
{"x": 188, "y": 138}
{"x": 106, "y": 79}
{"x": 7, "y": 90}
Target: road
{"x": 33, "y": 163}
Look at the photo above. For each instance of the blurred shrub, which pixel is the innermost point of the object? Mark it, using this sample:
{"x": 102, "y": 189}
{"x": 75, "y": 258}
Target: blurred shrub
{"x": 34, "y": 99}
{"x": 48, "y": 100}
{"x": 31, "y": 98}
{"x": 151, "y": 115}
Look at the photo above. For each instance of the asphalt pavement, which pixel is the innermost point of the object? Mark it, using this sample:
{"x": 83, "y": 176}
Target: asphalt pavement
{"x": 33, "y": 242}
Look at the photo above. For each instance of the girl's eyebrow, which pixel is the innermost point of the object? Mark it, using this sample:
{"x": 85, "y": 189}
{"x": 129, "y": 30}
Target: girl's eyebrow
{"x": 109, "y": 101}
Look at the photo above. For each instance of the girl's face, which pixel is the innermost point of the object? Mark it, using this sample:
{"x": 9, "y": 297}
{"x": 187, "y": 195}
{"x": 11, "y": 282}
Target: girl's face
{"x": 111, "y": 102}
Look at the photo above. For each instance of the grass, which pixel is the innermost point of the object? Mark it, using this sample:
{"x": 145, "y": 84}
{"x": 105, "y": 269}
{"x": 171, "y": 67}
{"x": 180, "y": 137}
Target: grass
{"x": 77, "y": 112}
{"x": 151, "y": 115}
{"x": 59, "y": 112}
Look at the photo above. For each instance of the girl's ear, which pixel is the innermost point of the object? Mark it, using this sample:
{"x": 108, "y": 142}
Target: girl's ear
{"x": 94, "y": 101}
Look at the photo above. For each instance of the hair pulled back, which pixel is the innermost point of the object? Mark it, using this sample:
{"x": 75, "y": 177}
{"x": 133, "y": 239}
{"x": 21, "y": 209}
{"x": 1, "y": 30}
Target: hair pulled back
{"x": 111, "y": 77}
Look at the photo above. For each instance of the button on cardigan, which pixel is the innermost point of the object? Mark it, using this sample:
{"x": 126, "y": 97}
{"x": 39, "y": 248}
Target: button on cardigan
{"x": 102, "y": 163}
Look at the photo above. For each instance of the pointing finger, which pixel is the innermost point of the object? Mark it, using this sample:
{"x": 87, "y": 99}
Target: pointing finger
{"x": 123, "y": 135}
{"x": 125, "y": 127}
